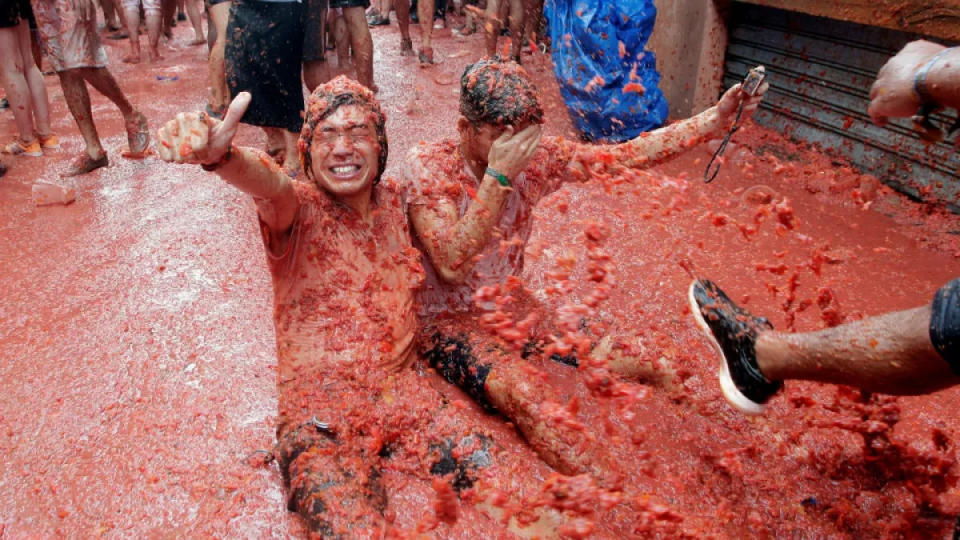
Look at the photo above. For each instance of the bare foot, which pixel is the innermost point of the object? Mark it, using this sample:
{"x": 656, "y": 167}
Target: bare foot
{"x": 132, "y": 59}
{"x": 197, "y": 41}
{"x": 154, "y": 55}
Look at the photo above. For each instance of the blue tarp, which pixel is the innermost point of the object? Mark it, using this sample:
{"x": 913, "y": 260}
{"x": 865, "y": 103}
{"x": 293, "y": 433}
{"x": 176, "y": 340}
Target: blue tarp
{"x": 601, "y": 65}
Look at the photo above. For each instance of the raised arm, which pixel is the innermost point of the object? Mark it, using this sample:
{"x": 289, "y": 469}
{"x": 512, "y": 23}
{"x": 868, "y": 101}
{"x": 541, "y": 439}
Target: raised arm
{"x": 198, "y": 138}
{"x": 894, "y": 93}
{"x": 452, "y": 241}
{"x": 658, "y": 145}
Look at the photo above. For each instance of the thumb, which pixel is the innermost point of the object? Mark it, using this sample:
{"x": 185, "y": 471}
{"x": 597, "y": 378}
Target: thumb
{"x": 236, "y": 111}
{"x": 874, "y": 109}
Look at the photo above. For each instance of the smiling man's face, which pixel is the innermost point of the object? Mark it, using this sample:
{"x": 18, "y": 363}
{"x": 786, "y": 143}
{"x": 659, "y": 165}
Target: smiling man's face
{"x": 344, "y": 153}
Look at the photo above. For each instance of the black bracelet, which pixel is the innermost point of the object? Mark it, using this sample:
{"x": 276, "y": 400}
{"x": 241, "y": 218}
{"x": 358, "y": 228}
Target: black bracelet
{"x": 214, "y": 166}
{"x": 920, "y": 79}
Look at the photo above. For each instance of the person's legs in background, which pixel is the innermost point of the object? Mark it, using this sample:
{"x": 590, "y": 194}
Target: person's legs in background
{"x": 492, "y": 25}
{"x": 362, "y": 44}
{"x": 219, "y": 93}
{"x": 15, "y": 64}
{"x": 193, "y": 13}
{"x": 168, "y": 17}
{"x": 112, "y": 14}
{"x": 131, "y": 15}
{"x": 135, "y": 123}
{"x": 315, "y": 68}
{"x": 341, "y": 38}
{"x": 153, "y": 13}
{"x": 516, "y": 28}
{"x": 381, "y": 13}
{"x": 78, "y": 101}
{"x": 403, "y": 21}
{"x": 532, "y": 17}
{"x": 440, "y": 14}
{"x": 425, "y": 10}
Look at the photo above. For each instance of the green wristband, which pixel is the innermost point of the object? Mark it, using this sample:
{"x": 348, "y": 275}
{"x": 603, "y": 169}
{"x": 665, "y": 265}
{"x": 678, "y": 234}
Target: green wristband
{"x": 504, "y": 181}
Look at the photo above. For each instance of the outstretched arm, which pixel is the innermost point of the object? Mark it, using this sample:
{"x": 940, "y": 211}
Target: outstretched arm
{"x": 658, "y": 145}
{"x": 198, "y": 138}
{"x": 452, "y": 241}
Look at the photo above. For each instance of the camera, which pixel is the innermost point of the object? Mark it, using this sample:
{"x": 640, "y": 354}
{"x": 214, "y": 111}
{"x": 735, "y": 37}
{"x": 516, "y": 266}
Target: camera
{"x": 753, "y": 80}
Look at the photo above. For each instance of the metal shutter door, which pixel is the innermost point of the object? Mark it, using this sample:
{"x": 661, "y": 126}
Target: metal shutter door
{"x": 820, "y": 71}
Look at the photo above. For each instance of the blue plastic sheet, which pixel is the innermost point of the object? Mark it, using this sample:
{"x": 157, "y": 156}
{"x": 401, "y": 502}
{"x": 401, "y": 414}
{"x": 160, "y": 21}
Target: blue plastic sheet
{"x": 607, "y": 79}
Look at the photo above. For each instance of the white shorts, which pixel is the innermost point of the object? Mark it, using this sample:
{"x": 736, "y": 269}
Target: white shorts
{"x": 148, "y": 5}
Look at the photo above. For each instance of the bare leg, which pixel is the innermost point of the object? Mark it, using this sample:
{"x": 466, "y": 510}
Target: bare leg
{"x": 533, "y": 13}
{"x": 315, "y": 73}
{"x": 193, "y": 13}
{"x": 492, "y": 26}
{"x": 362, "y": 44}
{"x": 512, "y": 392}
{"x": 341, "y": 40}
{"x": 135, "y": 123}
{"x": 168, "y": 9}
{"x": 38, "y": 89}
{"x": 132, "y": 16}
{"x": 154, "y": 27}
{"x": 331, "y": 498}
{"x": 37, "y": 49}
{"x": 891, "y": 354}
{"x": 12, "y": 74}
{"x": 425, "y": 9}
{"x": 292, "y": 158}
{"x": 103, "y": 81}
{"x": 219, "y": 93}
{"x": 501, "y": 383}
{"x": 275, "y": 141}
{"x": 78, "y": 101}
{"x": 110, "y": 11}
{"x": 403, "y": 21}
{"x": 516, "y": 28}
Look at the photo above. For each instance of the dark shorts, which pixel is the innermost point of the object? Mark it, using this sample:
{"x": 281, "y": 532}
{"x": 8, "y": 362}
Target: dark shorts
{"x": 215, "y": 2}
{"x": 945, "y": 324}
{"x": 349, "y": 3}
{"x": 263, "y": 56}
{"x": 314, "y": 30}
{"x": 13, "y": 11}
{"x": 455, "y": 360}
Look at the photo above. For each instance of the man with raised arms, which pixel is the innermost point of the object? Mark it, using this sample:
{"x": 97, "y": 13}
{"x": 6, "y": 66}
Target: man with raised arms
{"x": 344, "y": 274}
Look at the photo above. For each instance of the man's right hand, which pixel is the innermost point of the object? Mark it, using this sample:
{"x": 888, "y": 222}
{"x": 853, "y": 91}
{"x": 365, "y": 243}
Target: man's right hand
{"x": 892, "y": 94}
{"x": 511, "y": 152}
{"x": 199, "y": 138}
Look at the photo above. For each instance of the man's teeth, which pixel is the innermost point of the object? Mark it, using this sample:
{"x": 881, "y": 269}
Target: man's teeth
{"x": 345, "y": 169}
